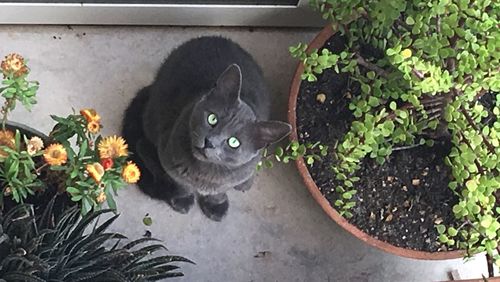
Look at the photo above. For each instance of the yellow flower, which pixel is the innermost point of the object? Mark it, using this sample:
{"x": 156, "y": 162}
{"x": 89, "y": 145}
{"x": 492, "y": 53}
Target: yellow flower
{"x": 112, "y": 147}
{"x": 90, "y": 115}
{"x": 13, "y": 63}
{"x": 131, "y": 173}
{"x": 55, "y": 154}
{"x": 406, "y": 53}
{"x": 93, "y": 127}
{"x": 101, "y": 198}
{"x": 34, "y": 145}
{"x": 96, "y": 171}
{"x": 7, "y": 140}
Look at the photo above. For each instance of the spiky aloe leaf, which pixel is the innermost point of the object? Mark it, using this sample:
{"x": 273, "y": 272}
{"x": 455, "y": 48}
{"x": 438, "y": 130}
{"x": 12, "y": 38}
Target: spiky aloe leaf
{"x": 67, "y": 249}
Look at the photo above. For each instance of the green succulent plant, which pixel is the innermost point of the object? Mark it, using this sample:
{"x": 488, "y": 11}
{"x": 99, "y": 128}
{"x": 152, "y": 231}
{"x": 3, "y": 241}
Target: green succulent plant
{"x": 430, "y": 65}
{"x": 68, "y": 247}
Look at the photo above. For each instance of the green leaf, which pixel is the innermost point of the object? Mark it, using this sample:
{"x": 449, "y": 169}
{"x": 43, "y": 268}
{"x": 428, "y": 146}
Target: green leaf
{"x": 268, "y": 164}
{"x": 390, "y": 52}
{"x": 373, "y": 101}
{"x": 409, "y": 20}
{"x": 73, "y": 190}
{"x": 486, "y": 221}
{"x": 452, "y": 231}
{"x": 471, "y": 185}
{"x": 148, "y": 221}
{"x": 76, "y": 198}
{"x": 366, "y": 89}
{"x": 279, "y": 152}
{"x": 110, "y": 200}
{"x": 310, "y": 160}
{"x": 393, "y": 106}
{"x": 457, "y": 209}
{"x": 441, "y": 229}
{"x": 370, "y": 74}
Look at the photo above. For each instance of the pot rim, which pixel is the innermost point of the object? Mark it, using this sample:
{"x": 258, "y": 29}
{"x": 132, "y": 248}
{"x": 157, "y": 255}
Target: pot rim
{"x": 317, "y": 43}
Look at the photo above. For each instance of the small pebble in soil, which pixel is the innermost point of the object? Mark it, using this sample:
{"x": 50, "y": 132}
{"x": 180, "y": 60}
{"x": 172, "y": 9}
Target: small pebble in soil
{"x": 389, "y": 217}
{"x": 425, "y": 172}
{"x": 321, "y": 98}
{"x": 372, "y": 216}
{"x": 405, "y": 188}
{"x": 415, "y": 182}
{"x": 390, "y": 178}
{"x": 438, "y": 220}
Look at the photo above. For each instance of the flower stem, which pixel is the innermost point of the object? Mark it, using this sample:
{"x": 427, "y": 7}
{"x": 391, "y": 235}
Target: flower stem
{"x": 5, "y": 111}
{"x": 37, "y": 171}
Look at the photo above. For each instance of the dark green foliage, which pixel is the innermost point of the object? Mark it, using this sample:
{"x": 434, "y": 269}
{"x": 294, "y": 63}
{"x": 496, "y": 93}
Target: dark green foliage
{"x": 74, "y": 248}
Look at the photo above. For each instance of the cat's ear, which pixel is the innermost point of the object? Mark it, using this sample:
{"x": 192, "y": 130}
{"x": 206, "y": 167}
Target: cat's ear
{"x": 263, "y": 133}
{"x": 228, "y": 85}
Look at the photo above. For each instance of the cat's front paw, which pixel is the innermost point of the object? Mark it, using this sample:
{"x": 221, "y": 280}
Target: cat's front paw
{"x": 182, "y": 204}
{"x": 214, "y": 206}
{"x": 245, "y": 186}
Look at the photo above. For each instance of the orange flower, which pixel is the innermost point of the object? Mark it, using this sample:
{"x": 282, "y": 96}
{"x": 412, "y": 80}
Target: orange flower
{"x": 131, "y": 173}
{"x": 55, "y": 154}
{"x": 96, "y": 171}
{"x": 93, "y": 127}
{"x": 7, "y": 140}
{"x": 34, "y": 145}
{"x": 90, "y": 115}
{"x": 112, "y": 147}
{"x": 13, "y": 64}
{"x": 101, "y": 198}
{"x": 107, "y": 163}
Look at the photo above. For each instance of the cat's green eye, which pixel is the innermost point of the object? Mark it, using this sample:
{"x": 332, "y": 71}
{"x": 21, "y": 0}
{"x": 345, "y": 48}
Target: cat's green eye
{"x": 212, "y": 119}
{"x": 233, "y": 142}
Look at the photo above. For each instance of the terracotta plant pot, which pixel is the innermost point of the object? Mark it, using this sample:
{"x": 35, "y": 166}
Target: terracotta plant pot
{"x": 317, "y": 43}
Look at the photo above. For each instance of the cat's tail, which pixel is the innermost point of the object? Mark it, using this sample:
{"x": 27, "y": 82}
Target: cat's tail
{"x": 132, "y": 121}
{"x": 132, "y": 131}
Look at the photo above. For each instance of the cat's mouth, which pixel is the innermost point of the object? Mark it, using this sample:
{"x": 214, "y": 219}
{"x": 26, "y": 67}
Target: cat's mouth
{"x": 199, "y": 154}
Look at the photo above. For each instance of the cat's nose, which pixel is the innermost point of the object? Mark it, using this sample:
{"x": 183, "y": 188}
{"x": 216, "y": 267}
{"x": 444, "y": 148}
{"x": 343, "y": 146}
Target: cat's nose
{"x": 208, "y": 144}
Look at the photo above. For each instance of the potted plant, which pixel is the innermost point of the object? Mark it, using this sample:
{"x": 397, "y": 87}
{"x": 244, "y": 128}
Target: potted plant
{"x": 52, "y": 189}
{"x": 58, "y": 247}
{"x": 73, "y": 161}
{"x": 395, "y": 106}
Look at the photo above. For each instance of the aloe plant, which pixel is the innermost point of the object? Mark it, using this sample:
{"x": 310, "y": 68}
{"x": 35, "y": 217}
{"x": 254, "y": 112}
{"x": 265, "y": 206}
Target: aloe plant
{"x": 69, "y": 247}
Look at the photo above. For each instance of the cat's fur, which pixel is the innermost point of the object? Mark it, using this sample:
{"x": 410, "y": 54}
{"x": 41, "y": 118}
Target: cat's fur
{"x": 181, "y": 155}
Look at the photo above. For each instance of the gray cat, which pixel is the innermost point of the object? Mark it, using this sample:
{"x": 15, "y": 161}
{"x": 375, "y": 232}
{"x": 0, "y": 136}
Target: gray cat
{"x": 198, "y": 130}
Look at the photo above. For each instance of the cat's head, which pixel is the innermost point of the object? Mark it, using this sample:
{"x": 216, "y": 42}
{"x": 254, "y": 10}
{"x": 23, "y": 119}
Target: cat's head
{"x": 224, "y": 129}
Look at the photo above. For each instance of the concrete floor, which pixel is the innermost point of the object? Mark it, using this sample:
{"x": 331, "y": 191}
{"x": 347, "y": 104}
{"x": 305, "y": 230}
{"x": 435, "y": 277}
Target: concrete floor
{"x": 103, "y": 67}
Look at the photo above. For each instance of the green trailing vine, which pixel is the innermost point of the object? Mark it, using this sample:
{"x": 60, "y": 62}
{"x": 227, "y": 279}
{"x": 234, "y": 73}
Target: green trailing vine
{"x": 310, "y": 152}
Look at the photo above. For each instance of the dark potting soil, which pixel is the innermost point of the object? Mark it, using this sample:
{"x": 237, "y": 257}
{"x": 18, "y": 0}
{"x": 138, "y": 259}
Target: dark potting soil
{"x": 399, "y": 202}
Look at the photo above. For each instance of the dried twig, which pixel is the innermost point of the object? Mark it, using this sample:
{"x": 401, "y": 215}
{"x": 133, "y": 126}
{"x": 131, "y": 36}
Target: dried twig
{"x": 380, "y": 71}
